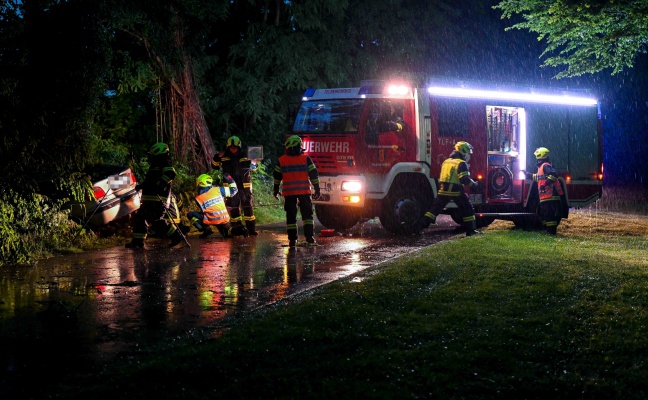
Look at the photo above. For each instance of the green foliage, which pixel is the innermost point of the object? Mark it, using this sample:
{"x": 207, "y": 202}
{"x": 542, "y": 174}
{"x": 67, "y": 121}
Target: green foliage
{"x": 584, "y": 36}
{"x": 33, "y": 226}
{"x": 267, "y": 209}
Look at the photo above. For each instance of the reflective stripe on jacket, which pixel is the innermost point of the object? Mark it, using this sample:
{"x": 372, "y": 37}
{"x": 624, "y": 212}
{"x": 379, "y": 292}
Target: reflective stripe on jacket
{"x": 450, "y": 179}
{"x": 294, "y": 174}
{"x": 548, "y": 186}
{"x": 212, "y": 204}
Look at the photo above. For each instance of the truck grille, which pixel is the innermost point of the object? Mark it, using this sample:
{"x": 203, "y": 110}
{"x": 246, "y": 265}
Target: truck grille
{"x": 324, "y": 163}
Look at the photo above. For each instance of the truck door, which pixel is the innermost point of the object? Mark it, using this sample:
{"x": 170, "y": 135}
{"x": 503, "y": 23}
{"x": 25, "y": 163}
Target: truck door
{"x": 389, "y": 133}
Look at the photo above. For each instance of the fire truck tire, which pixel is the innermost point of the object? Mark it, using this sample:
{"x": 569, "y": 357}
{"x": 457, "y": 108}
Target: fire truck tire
{"x": 338, "y": 218}
{"x": 402, "y": 210}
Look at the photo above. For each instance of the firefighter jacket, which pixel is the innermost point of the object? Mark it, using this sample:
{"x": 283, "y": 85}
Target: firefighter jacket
{"x": 297, "y": 172}
{"x": 158, "y": 180}
{"x": 548, "y": 186}
{"x": 454, "y": 175}
{"x": 238, "y": 166}
{"x": 212, "y": 205}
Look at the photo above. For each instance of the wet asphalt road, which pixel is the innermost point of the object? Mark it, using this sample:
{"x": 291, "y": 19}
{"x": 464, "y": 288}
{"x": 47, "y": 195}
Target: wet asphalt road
{"x": 81, "y": 310}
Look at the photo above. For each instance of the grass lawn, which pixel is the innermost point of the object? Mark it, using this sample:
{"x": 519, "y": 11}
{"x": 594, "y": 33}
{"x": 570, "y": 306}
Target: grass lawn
{"x": 509, "y": 314}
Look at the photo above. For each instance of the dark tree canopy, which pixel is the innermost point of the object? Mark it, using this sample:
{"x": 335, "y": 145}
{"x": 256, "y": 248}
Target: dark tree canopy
{"x": 585, "y": 36}
{"x": 102, "y": 80}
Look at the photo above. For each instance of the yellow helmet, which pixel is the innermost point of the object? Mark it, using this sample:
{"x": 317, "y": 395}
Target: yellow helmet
{"x": 233, "y": 141}
{"x": 159, "y": 148}
{"x": 541, "y": 153}
{"x": 293, "y": 141}
{"x": 204, "y": 181}
{"x": 464, "y": 148}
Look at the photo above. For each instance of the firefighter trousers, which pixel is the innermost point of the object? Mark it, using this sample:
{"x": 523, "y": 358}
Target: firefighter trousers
{"x": 305, "y": 205}
{"x": 243, "y": 199}
{"x": 550, "y": 215}
{"x": 463, "y": 203}
{"x": 151, "y": 213}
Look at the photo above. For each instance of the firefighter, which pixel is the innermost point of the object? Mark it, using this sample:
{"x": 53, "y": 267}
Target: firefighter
{"x": 156, "y": 190}
{"x": 454, "y": 176}
{"x": 384, "y": 118}
{"x": 211, "y": 201}
{"x": 236, "y": 164}
{"x": 296, "y": 172}
{"x": 549, "y": 191}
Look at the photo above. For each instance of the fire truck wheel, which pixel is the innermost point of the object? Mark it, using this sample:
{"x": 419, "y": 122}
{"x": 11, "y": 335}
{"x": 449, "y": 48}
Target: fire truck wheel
{"x": 338, "y": 218}
{"x": 402, "y": 211}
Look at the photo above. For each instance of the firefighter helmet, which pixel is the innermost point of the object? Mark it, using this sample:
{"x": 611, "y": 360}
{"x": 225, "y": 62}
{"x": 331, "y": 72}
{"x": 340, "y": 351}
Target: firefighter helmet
{"x": 159, "y": 148}
{"x": 464, "y": 148}
{"x": 541, "y": 153}
{"x": 234, "y": 141}
{"x": 204, "y": 181}
{"x": 293, "y": 141}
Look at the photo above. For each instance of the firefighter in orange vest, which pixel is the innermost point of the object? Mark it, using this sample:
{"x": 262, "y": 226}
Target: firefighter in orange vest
{"x": 213, "y": 212}
{"x": 454, "y": 175}
{"x": 296, "y": 172}
{"x": 549, "y": 191}
{"x": 236, "y": 164}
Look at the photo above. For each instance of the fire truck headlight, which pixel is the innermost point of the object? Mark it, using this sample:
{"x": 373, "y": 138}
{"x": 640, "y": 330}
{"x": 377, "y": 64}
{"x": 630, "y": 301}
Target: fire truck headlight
{"x": 351, "y": 186}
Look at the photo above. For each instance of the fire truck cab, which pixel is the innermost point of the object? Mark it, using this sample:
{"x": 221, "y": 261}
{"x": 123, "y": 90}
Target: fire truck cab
{"x": 379, "y": 149}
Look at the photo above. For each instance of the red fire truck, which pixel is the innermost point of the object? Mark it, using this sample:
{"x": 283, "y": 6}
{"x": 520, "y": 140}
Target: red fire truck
{"x": 379, "y": 149}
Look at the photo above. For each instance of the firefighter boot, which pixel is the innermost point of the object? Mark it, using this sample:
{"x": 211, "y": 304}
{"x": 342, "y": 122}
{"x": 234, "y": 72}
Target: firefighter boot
{"x": 135, "y": 244}
{"x": 251, "y": 227}
{"x": 471, "y": 228}
{"x": 206, "y": 232}
{"x": 292, "y": 237}
{"x": 428, "y": 219}
{"x": 176, "y": 238}
{"x": 238, "y": 230}
{"x": 185, "y": 229}
{"x": 308, "y": 232}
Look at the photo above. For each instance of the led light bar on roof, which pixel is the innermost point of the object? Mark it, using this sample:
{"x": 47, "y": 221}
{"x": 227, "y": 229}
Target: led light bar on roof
{"x": 499, "y": 95}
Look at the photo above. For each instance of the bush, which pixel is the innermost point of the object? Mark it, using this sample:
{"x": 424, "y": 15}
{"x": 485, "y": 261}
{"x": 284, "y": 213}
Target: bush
{"x": 33, "y": 226}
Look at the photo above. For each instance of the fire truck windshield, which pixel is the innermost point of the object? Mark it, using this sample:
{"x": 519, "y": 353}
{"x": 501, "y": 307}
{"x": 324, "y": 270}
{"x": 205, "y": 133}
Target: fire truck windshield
{"x": 329, "y": 116}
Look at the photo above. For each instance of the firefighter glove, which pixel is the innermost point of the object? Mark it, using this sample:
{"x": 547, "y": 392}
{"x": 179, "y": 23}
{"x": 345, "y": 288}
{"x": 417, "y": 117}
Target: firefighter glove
{"x": 318, "y": 193}
{"x": 228, "y": 178}
{"x": 475, "y": 184}
{"x": 275, "y": 192}
{"x": 528, "y": 175}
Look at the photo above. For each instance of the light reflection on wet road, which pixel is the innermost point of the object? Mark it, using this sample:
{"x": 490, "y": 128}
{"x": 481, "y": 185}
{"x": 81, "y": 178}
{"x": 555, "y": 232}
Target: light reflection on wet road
{"x": 115, "y": 301}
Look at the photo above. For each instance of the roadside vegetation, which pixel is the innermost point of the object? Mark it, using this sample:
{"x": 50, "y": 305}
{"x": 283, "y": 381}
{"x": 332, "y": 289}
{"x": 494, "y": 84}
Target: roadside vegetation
{"x": 36, "y": 227}
{"x": 507, "y": 314}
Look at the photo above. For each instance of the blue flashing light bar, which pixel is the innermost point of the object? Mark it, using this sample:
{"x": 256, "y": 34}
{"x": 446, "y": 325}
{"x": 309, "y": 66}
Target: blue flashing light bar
{"x": 515, "y": 96}
{"x": 371, "y": 87}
